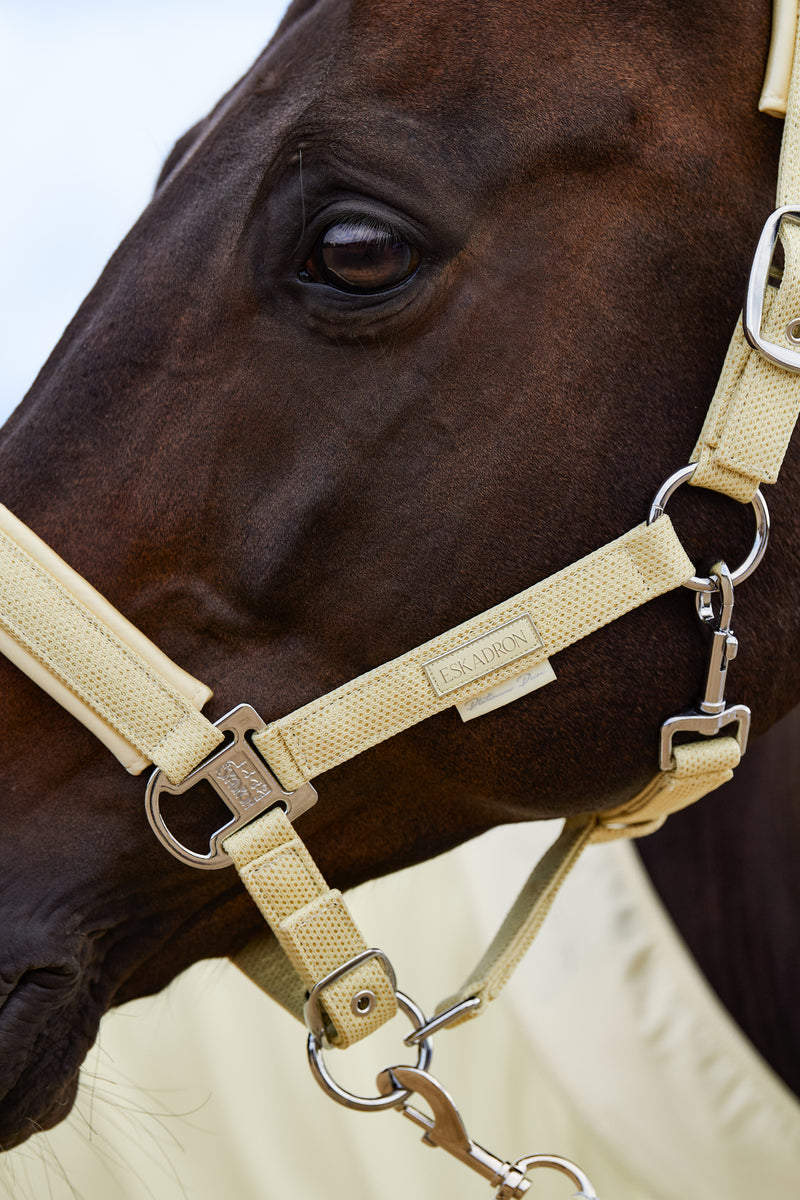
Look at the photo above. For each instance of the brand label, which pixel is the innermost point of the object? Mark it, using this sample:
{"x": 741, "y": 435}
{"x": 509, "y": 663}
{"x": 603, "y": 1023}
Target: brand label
{"x": 483, "y": 654}
{"x": 242, "y": 782}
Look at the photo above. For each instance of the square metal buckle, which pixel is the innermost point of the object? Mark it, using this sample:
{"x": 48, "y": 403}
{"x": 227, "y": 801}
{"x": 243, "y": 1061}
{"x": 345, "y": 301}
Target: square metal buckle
{"x": 242, "y": 779}
{"x": 756, "y": 287}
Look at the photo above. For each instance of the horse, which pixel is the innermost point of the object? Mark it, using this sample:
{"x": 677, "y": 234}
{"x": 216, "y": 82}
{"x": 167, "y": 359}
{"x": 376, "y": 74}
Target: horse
{"x": 287, "y": 467}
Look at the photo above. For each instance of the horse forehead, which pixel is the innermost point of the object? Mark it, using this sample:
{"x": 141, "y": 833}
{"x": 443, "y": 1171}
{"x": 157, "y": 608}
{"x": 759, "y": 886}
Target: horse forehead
{"x": 507, "y": 53}
{"x": 491, "y": 88}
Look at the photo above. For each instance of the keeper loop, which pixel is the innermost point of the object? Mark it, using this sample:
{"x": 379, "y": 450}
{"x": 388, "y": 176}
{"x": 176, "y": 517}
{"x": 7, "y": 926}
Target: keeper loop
{"x": 312, "y": 1011}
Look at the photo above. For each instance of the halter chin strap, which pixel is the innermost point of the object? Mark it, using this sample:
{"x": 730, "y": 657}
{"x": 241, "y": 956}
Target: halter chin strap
{"x": 63, "y": 634}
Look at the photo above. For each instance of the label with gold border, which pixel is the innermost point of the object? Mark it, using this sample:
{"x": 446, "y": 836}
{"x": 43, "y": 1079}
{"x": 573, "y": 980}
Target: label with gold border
{"x": 482, "y": 655}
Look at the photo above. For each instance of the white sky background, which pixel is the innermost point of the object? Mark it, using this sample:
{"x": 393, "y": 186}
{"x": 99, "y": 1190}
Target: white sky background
{"x": 92, "y": 96}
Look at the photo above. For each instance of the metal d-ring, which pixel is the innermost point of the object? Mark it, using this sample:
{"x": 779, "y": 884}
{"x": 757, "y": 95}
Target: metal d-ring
{"x": 370, "y": 1103}
{"x": 697, "y": 583}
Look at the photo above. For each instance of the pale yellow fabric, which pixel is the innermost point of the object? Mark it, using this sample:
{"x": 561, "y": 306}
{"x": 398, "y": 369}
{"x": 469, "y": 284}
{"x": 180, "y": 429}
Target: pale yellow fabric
{"x": 698, "y": 768}
{"x": 608, "y": 1048}
{"x": 788, "y": 191}
{"x": 755, "y": 407}
{"x": 524, "y": 919}
{"x": 313, "y": 926}
{"x": 78, "y": 639}
{"x": 644, "y": 563}
{"x": 282, "y": 878}
{"x": 775, "y": 92}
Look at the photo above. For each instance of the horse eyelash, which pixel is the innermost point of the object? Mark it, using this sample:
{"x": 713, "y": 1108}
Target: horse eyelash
{"x": 302, "y": 199}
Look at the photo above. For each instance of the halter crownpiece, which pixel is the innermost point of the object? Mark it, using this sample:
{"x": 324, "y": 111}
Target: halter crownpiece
{"x": 146, "y": 710}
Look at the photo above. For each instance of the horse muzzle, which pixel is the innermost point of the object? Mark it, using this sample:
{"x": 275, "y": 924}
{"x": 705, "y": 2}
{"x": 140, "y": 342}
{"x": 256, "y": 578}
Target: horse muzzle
{"x": 47, "y": 1024}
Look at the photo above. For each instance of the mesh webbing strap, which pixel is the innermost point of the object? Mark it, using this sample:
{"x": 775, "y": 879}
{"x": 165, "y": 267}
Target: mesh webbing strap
{"x": 644, "y": 563}
{"x": 697, "y": 768}
{"x": 756, "y": 404}
{"x": 66, "y": 636}
{"x": 313, "y": 926}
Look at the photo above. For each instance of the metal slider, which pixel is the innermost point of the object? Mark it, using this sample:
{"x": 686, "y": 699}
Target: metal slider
{"x": 240, "y": 777}
{"x": 442, "y": 1020}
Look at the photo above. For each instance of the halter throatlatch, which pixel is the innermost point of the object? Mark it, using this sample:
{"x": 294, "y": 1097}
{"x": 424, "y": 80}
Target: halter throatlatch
{"x": 70, "y": 640}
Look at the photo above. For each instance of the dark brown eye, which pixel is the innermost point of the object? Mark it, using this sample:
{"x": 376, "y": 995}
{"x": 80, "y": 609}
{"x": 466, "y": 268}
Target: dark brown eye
{"x": 361, "y": 255}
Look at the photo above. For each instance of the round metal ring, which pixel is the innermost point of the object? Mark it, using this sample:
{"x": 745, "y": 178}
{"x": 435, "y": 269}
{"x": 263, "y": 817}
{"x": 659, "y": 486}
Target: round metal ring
{"x": 698, "y": 583}
{"x": 556, "y": 1163}
{"x": 370, "y": 1103}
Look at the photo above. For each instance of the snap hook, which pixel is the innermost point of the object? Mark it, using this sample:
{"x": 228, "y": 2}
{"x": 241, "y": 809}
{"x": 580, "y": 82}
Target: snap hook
{"x": 446, "y": 1129}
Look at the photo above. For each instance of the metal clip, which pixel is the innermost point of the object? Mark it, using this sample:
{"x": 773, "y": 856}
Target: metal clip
{"x": 446, "y": 1130}
{"x": 239, "y": 775}
{"x": 711, "y": 714}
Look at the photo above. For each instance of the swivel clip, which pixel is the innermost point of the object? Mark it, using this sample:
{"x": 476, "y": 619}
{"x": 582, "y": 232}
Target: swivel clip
{"x": 711, "y": 713}
{"x": 445, "y": 1128}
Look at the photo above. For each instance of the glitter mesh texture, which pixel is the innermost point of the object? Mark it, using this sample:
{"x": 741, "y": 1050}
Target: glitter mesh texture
{"x": 311, "y": 922}
{"x": 69, "y": 641}
{"x": 597, "y": 589}
{"x": 756, "y": 404}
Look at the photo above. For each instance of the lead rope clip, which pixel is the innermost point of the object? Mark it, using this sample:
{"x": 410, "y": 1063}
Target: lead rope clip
{"x": 444, "y": 1127}
{"x": 446, "y": 1130}
{"x": 711, "y": 714}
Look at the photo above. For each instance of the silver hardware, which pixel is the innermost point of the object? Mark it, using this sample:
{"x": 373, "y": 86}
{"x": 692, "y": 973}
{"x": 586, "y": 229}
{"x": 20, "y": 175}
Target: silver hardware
{"x": 312, "y": 1010}
{"x": 363, "y": 1003}
{"x": 711, "y": 714}
{"x": 756, "y": 287}
{"x": 389, "y": 1099}
{"x": 445, "y": 1129}
{"x": 793, "y": 331}
{"x": 699, "y": 583}
{"x": 442, "y": 1020}
{"x": 239, "y": 775}
{"x": 555, "y": 1163}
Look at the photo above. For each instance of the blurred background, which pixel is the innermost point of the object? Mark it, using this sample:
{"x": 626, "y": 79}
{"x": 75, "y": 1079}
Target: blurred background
{"x": 92, "y": 95}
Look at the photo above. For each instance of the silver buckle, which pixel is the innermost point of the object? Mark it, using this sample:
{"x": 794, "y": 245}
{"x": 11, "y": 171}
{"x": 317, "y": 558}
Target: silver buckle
{"x": 312, "y": 1009}
{"x": 757, "y": 285}
{"x": 239, "y": 775}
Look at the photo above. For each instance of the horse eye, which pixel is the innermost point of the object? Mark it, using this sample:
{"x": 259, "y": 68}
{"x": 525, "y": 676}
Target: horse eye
{"x": 361, "y": 255}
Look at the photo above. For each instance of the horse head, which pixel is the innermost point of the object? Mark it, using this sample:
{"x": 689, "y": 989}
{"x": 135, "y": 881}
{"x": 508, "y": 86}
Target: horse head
{"x": 427, "y": 307}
